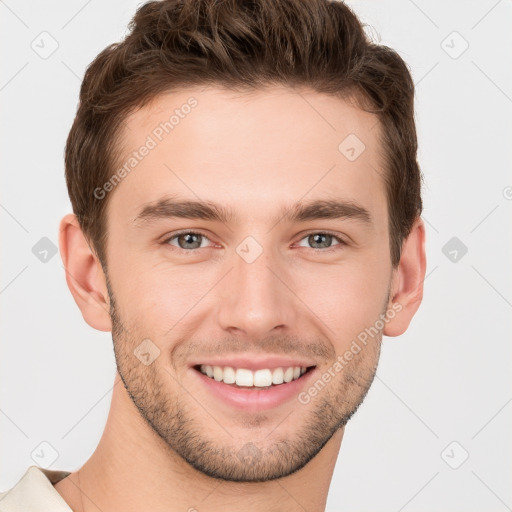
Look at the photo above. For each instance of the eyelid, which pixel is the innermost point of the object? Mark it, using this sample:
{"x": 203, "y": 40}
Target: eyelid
{"x": 322, "y": 232}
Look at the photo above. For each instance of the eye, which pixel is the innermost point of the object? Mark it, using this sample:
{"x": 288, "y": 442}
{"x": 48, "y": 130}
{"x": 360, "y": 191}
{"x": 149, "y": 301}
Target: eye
{"x": 322, "y": 240}
{"x": 187, "y": 240}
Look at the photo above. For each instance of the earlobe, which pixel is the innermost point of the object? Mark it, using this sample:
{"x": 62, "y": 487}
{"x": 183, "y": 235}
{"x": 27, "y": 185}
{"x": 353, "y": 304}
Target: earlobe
{"x": 407, "y": 283}
{"x": 84, "y": 274}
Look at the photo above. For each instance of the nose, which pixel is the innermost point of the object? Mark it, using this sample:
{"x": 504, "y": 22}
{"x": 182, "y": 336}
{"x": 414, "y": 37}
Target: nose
{"x": 257, "y": 298}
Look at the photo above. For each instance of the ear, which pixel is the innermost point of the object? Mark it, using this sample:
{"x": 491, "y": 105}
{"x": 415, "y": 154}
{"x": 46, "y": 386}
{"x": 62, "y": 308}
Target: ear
{"x": 84, "y": 274}
{"x": 407, "y": 282}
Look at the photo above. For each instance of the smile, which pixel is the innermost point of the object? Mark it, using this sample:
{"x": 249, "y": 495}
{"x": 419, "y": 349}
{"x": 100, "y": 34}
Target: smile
{"x": 264, "y": 387}
{"x": 261, "y": 378}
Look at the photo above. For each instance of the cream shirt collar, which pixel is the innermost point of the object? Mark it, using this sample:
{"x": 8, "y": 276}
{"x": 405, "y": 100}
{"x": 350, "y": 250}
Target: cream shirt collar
{"x": 34, "y": 492}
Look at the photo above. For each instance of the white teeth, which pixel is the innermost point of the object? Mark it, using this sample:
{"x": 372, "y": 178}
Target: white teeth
{"x": 218, "y": 374}
{"x": 288, "y": 374}
{"x": 262, "y": 378}
{"x": 244, "y": 377}
{"x": 277, "y": 376}
{"x": 247, "y": 378}
{"x": 229, "y": 375}
{"x": 206, "y": 368}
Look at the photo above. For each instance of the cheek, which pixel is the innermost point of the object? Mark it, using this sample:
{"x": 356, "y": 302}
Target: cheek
{"x": 348, "y": 299}
{"x": 155, "y": 298}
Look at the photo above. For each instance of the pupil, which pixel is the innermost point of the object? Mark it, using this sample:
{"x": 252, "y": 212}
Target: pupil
{"x": 317, "y": 239}
{"x": 189, "y": 239}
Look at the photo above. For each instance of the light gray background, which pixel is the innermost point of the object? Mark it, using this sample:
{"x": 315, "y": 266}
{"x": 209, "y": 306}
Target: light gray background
{"x": 442, "y": 390}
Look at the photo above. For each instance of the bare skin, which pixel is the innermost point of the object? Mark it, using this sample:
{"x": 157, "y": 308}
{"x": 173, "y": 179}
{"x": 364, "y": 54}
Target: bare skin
{"x": 169, "y": 443}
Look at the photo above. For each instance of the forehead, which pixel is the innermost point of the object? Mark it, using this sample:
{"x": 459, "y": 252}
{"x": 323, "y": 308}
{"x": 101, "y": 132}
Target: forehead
{"x": 254, "y": 151}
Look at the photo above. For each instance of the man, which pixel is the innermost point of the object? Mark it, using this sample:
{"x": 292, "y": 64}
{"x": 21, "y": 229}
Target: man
{"x": 246, "y": 201}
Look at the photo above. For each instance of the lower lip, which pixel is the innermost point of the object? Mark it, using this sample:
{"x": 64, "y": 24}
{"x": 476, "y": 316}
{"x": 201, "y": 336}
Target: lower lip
{"x": 253, "y": 400}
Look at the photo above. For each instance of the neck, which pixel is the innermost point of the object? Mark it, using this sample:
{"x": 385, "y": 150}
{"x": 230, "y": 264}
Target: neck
{"x": 133, "y": 469}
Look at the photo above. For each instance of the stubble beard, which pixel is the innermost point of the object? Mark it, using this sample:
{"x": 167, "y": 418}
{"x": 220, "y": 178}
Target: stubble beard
{"x": 166, "y": 408}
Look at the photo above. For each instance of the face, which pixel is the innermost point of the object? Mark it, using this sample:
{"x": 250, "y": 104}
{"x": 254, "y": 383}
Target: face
{"x": 244, "y": 242}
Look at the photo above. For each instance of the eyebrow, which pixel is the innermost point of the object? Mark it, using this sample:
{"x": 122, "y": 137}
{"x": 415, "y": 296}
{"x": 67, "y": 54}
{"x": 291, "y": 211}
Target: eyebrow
{"x": 169, "y": 207}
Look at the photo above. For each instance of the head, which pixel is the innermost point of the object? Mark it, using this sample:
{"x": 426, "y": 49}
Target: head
{"x": 244, "y": 183}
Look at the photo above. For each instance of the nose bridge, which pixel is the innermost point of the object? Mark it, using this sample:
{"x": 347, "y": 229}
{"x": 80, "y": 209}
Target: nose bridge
{"x": 255, "y": 298}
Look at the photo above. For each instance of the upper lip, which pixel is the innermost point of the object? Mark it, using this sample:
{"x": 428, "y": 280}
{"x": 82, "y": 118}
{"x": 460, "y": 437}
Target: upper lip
{"x": 254, "y": 362}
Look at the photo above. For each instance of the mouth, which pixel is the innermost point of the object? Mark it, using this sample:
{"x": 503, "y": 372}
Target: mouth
{"x": 244, "y": 378}
{"x": 251, "y": 382}
{"x": 259, "y": 379}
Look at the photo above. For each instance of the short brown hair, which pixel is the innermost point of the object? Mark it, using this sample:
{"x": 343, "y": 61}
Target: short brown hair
{"x": 319, "y": 44}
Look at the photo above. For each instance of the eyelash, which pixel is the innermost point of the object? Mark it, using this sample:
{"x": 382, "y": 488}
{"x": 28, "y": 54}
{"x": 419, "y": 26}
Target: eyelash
{"x": 329, "y": 249}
